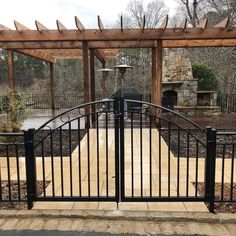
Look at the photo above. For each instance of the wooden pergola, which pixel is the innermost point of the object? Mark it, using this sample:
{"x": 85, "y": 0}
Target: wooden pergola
{"x": 62, "y": 43}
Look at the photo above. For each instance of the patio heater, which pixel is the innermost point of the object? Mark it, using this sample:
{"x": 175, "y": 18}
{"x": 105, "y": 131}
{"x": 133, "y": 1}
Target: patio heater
{"x": 105, "y": 73}
{"x": 122, "y": 69}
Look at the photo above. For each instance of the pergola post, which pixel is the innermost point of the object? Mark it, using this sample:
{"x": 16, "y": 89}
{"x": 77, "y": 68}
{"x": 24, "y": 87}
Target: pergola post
{"x": 92, "y": 82}
{"x": 11, "y": 77}
{"x": 86, "y": 79}
{"x": 157, "y": 73}
{"x": 52, "y": 86}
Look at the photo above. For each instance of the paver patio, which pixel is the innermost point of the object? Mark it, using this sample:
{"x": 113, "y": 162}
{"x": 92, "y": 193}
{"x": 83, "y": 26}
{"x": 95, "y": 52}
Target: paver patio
{"x": 151, "y": 206}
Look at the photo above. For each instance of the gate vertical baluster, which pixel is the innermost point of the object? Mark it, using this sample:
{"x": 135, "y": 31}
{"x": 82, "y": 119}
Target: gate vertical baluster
{"x": 30, "y": 167}
{"x": 210, "y": 168}
{"x": 122, "y": 151}
{"x": 117, "y": 151}
{"x": 213, "y": 168}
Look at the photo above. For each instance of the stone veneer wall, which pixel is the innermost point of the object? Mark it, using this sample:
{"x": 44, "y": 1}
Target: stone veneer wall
{"x": 177, "y": 76}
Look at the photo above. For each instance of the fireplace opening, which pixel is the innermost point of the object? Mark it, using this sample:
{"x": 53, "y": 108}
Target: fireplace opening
{"x": 169, "y": 99}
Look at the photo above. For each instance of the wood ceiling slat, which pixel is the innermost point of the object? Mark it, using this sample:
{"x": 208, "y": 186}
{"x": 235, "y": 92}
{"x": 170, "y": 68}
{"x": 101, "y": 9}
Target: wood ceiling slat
{"x": 121, "y": 23}
{"x": 144, "y": 23}
{"x": 40, "y": 27}
{"x": 182, "y": 26}
{"x": 100, "y": 24}
{"x": 20, "y": 27}
{"x": 164, "y": 22}
{"x": 79, "y": 25}
{"x": 223, "y": 24}
{"x": 3, "y": 27}
{"x": 60, "y": 26}
{"x": 203, "y": 23}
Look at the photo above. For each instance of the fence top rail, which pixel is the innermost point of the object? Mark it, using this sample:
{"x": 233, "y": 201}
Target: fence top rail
{"x": 225, "y": 133}
{"x": 12, "y": 134}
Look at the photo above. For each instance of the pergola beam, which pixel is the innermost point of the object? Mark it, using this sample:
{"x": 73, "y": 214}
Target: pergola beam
{"x": 100, "y": 55}
{"x": 115, "y": 35}
{"x": 38, "y": 55}
{"x": 119, "y": 44}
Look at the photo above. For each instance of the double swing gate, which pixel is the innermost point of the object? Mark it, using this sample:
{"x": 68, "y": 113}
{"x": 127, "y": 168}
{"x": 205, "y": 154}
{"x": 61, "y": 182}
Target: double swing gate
{"x": 123, "y": 151}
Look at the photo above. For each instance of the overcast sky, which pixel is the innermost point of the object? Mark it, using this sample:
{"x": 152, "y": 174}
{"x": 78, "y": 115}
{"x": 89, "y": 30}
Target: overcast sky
{"x": 48, "y": 11}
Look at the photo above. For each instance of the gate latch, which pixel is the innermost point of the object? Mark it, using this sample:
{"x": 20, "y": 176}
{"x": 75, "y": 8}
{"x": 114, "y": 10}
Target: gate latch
{"x": 117, "y": 115}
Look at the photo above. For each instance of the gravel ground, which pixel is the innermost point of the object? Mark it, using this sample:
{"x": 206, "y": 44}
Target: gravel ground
{"x": 14, "y": 194}
{"x": 221, "y": 207}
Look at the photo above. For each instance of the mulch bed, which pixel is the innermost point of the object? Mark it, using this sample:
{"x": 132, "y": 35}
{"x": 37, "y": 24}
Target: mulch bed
{"x": 14, "y": 194}
{"x": 48, "y": 149}
{"x": 221, "y": 207}
{"x": 185, "y": 146}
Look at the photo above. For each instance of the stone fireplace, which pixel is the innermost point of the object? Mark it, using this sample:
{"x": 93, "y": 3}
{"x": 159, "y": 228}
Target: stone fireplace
{"x": 180, "y": 89}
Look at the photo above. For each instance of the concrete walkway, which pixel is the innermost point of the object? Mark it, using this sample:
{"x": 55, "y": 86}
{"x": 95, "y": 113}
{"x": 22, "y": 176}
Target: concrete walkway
{"x": 116, "y": 222}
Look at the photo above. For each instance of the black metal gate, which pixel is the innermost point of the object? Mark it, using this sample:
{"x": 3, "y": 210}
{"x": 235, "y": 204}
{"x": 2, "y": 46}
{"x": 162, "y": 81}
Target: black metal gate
{"x": 120, "y": 150}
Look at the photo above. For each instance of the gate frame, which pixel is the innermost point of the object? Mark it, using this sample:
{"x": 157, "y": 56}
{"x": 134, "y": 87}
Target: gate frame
{"x": 119, "y": 162}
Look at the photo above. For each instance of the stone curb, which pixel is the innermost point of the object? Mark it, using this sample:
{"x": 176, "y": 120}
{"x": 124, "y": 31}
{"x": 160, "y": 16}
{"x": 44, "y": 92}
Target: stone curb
{"x": 221, "y": 218}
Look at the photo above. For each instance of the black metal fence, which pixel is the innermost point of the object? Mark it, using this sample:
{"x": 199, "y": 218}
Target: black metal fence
{"x": 12, "y": 168}
{"x": 227, "y": 103}
{"x": 225, "y": 189}
{"x": 63, "y": 101}
{"x": 156, "y": 155}
{"x": 43, "y": 101}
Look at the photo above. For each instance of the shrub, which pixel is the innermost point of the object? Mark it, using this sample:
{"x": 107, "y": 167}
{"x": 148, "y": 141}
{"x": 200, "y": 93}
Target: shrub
{"x": 13, "y": 111}
{"x": 207, "y": 79}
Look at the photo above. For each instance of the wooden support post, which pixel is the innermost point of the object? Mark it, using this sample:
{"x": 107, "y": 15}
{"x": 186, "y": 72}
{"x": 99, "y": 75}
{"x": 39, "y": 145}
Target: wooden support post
{"x": 157, "y": 78}
{"x": 157, "y": 74}
{"x": 86, "y": 79}
{"x": 11, "y": 77}
{"x": 52, "y": 86}
{"x": 92, "y": 83}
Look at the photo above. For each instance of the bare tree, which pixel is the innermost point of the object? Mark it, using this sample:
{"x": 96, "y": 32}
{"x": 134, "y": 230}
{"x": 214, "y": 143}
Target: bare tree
{"x": 222, "y": 60}
{"x": 139, "y": 75}
{"x": 154, "y": 11}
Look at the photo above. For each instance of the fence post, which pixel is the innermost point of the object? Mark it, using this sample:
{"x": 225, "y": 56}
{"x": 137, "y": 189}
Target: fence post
{"x": 210, "y": 168}
{"x": 30, "y": 167}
